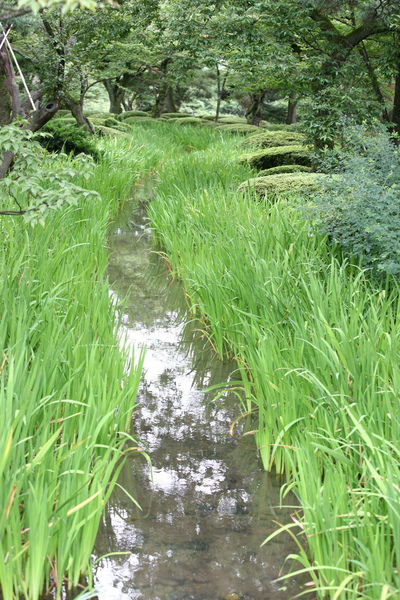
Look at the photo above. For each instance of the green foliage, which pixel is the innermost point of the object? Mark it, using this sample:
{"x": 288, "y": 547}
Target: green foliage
{"x": 38, "y": 182}
{"x": 281, "y": 184}
{"x": 275, "y": 157}
{"x": 110, "y": 131}
{"x": 269, "y": 139}
{"x": 65, "y": 137}
{"x": 360, "y": 205}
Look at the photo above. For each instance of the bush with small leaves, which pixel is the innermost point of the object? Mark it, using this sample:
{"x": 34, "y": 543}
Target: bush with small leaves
{"x": 66, "y": 137}
{"x": 39, "y": 182}
{"x": 360, "y": 206}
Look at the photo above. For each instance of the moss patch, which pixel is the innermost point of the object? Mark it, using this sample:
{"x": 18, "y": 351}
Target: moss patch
{"x": 284, "y": 183}
{"x": 241, "y": 129}
{"x": 186, "y": 121}
{"x": 101, "y": 130}
{"x": 176, "y": 115}
{"x": 131, "y": 113}
{"x": 284, "y": 169}
{"x": 271, "y": 139}
{"x": 275, "y": 157}
{"x": 132, "y": 120}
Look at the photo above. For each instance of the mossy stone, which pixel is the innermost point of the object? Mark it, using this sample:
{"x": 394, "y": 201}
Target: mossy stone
{"x": 176, "y": 115}
{"x": 132, "y": 120}
{"x": 241, "y": 129}
{"x": 282, "y": 184}
{"x": 186, "y": 121}
{"x": 131, "y": 113}
{"x": 271, "y": 139}
{"x": 284, "y": 169}
{"x": 277, "y": 156}
{"x": 100, "y": 129}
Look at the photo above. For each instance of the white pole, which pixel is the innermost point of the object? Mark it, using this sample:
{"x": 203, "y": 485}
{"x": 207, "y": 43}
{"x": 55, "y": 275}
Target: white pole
{"x": 19, "y": 70}
{"x": 4, "y": 38}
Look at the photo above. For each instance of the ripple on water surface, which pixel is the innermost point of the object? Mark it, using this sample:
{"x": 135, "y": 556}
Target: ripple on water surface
{"x": 208, "y": 505}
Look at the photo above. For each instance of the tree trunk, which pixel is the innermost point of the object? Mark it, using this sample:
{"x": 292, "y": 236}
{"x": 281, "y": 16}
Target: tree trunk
{"x": 396, "y": 101}
{"x": 162, "y": 90}
{"x": 292, "y": 109}
{"x": 169, "y": 100}
{"x": 374, "y": 81}
{"x": 76, "y": 109}
{"x": 115, "y": 95}
{"x": 253, "y": 113}
{"x": 11, "y": 105}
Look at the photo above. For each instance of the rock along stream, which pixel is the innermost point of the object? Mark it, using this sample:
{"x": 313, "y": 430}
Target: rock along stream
{"x": 210, "y": 505}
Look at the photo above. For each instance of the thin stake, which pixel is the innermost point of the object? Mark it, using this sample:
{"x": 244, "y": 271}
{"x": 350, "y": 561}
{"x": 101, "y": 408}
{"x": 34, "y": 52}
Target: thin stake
{"x": 19, "y": 69}
{"x": 5, "y": 37}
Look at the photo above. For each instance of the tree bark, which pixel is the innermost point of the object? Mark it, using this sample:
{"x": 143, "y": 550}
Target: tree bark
{"x": 396, "y": 101}
{"x": 115, "y": 95}
{"x": 162, "y": 90}
{"x": 374, "y": 81}
{"x": 76, "y": 109}
{"x": 292, "y": 109}
{"x": 253, "y": 113}
{"x": 169, "y": 100}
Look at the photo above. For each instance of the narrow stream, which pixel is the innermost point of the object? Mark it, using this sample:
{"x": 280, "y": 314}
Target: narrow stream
{"x": 210, "y": 505}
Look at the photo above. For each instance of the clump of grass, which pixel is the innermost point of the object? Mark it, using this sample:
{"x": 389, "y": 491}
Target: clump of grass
{"x": 318, "y": 346}
{"x": 66, "y": 395}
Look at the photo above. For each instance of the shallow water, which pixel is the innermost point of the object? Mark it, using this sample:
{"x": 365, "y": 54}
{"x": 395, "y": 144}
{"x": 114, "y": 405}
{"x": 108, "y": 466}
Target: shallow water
{"x": 210, "y": 505}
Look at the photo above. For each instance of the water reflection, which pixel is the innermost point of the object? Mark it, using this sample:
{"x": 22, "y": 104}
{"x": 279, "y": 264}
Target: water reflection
{"x": 210, "y": 505}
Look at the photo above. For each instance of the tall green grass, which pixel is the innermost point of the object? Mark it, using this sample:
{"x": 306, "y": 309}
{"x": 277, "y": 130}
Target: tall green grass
{"x": 318, "y": 346}
{"x": 67, "y": 388}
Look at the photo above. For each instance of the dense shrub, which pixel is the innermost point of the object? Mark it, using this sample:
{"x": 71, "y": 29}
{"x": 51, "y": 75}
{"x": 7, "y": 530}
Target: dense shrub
{"x": 281, "y": 184}
{"x": 360, "y": 206}
{"x": 67, "y": 137}
{"x": 270, "y": 139}
{"x": 275, "y": 157}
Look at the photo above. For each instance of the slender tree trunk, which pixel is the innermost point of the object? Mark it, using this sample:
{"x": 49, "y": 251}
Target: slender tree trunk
{"x": 253, "y": 113}
{"x": 292, "y": 109}
{"x": 396, "y": 101}
{"x": 162, "y": 90}
{"x": 374, "y": 81}
{"x": 169, "y": 100}
{"x": 219, "y": 95}
{"x": 11, "y": 106}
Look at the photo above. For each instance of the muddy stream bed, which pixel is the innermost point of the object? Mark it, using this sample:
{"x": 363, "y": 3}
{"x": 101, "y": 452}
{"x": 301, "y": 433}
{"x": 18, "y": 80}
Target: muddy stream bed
{"x": 210, "y": 505}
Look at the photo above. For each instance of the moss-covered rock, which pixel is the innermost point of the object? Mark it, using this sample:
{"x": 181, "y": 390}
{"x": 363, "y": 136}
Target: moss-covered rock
{"x": 225, "y": 120}
{"x": 186, "y": 121}
{"x": 283, "y": 127}
{"x": 135, "y": 120}
{"x": 282, "y": 184}
{"x": 111, "y": 122}
{"x": 132, "y": 113}
{"x": 275, "y": 157}
{"x": 242, "y": 129}
{"x": 176, "y": 115}
{"x": 284, "y": 169}
{"x": 101, "y": 130}
{"x": 271, "y": 139}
